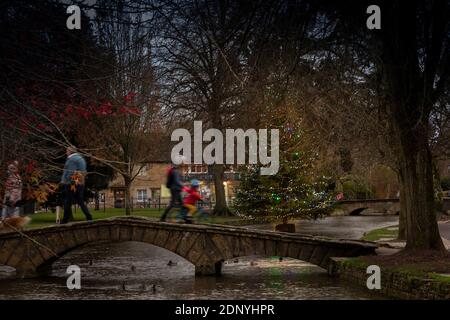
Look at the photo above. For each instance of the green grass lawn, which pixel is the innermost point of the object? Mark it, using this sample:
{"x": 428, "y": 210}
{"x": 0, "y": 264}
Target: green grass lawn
{"x": 377, "y": 234}
{"x": 432, "y": 270}
{"x": 43, "y": 219}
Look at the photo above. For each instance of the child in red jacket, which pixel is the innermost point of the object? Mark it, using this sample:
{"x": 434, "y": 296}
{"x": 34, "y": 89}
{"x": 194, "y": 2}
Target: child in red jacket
{"x": 190, "y": 201}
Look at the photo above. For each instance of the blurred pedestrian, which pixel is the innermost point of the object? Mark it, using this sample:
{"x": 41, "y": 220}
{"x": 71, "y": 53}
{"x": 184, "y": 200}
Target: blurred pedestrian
{"x": 72, "y": 182}
{"x": 175, "y": 186}
{"x": 13, "y": 192}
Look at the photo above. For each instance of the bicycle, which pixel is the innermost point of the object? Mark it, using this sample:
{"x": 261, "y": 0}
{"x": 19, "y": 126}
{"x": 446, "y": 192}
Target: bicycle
{"x": 199, "y": 215}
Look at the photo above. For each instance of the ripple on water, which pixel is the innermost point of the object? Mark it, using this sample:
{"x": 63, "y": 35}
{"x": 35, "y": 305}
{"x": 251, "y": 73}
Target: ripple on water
{"x": 132, "y": 270}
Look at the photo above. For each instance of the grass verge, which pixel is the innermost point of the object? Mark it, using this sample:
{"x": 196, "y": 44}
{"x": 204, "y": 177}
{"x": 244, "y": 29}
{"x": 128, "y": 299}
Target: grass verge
{"x": 377, "y": 234}
{"x": 422, "y": 265}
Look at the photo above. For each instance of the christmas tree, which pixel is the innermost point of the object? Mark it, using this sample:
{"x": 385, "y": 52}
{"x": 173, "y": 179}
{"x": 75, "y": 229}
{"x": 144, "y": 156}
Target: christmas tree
{"x": 296, "y": 191}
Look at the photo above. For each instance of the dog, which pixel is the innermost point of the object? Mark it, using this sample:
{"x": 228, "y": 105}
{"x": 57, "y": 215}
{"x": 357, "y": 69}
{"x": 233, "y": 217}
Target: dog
{"x": 13, "y": 223}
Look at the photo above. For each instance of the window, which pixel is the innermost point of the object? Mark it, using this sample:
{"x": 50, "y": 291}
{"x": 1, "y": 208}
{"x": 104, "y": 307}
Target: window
{"x": 156, "y": 193}
{"x": 142, "y": 195}
{"x": 119, "y": 194}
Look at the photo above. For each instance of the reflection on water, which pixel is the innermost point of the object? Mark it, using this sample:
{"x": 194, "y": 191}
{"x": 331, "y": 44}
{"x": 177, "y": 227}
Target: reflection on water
{"x": 132, "y": 270}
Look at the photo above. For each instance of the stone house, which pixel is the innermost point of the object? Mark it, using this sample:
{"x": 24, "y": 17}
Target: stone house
{"x": 149, "y": 187}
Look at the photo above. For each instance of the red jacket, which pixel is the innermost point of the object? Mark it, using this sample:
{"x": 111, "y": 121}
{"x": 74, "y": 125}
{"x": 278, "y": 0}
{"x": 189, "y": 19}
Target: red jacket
{"x": 192, "y": 197}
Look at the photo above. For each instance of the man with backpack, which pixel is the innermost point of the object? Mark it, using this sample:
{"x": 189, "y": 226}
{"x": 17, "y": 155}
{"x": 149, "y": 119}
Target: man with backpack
{"x": 175, "y": 186}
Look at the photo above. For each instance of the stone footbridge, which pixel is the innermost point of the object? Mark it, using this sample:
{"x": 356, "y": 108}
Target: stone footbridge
{"x": 369, "y": 206}
{"x": 378, "y": 207}
{"x": 205, "y": 246}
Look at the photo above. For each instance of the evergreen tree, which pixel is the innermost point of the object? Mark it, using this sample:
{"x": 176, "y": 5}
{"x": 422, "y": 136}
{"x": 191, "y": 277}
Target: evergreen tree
{"x": 296, "y": 191}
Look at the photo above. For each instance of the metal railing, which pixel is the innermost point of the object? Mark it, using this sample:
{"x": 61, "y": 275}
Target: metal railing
{"x": 208, "y": 177}
{"x": 159, "y": 203}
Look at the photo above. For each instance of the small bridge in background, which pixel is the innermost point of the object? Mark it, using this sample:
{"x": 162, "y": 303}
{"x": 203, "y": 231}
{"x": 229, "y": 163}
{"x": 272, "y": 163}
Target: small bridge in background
{"x": 377, "y": 207}
{"x": 369, "y": 207}
{"x": 205, "y": 246}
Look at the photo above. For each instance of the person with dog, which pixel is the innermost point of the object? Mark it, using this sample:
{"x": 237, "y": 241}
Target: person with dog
{"x": 72, "y": 183}
{"x": 13, "y": 192}
{"x": 175, "y": 186}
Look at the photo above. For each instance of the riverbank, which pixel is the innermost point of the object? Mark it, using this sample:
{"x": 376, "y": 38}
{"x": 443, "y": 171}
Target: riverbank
{"x": 404, "y": 275}
{"x": 386, "y": 233}
{"x": 387, "y": 236}
{"x": 417, "y": 276}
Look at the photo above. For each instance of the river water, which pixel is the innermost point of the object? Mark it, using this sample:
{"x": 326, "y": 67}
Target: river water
{"x": 132, "y": 270}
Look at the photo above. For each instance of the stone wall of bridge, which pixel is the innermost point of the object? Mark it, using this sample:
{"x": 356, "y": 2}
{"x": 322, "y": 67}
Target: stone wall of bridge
{"x": 368, "y": 207}
{"x": 205, "y": 246}
{"x": 377, "y": 207}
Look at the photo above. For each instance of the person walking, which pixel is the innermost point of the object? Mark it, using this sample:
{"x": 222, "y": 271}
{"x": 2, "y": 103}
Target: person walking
{"x": 175, "y": 186}
{"x": 13, "y": 192}
{"x": 72, "y": 182}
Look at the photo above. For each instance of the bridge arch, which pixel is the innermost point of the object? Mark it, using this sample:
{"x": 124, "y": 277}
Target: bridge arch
{"x": 357, "y": 211}
{"x": 380, "y": 206}
{"x": 87, "y": 255}
{"x": 205, "y": 246}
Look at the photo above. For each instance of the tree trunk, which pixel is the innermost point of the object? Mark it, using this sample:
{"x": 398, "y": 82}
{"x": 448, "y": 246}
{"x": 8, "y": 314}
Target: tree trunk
{"x": 402, "y": 215}
{"x": 127, "y": 196}
{"x": 437, "y": 190}
{"x": 97, "y": 201}
{"x": 417, "y": 191}
{"x": 408, "y": 108}
{"x": 221, "y": 208}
